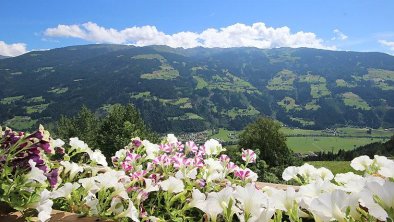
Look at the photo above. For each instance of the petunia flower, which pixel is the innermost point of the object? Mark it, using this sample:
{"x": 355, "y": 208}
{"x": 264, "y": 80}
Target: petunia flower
{"x": 152, "y": 150}
{"x": 65, "y": 191}
{"x": 171, "y": 139}
{"x": 35, "y": 173}
{"x": 72, "y": 168}
{"x": 378, "y": 199}
{"x": 78, "y": 145}
{"x": 333, "y": 206}
{"x": 97, "y": 157}
{"x": 131, "y": 212}
{"x": 290, "y": 172}
{"x": 89, "y": 184}
{"x": 213, "y": 147}
{"x": 44, "y": 207}
{"x": 150, "y": 186}
{"x": 249, "y": 156}
{"x": 172, "y": 185}
{"x": 361, "y": 163}
{"x": 251, "y": 201}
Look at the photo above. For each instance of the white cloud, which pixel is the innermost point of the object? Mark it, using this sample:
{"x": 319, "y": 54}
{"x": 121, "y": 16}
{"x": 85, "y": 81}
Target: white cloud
{"x": 12, "y": 49}
{"x": 237, "y": 35}
{"x": 339, "y": 35}
{"x": 387, "y": 43}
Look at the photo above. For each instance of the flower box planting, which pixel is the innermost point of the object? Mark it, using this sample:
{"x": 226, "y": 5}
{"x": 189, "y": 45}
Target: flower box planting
{"x": 47, "y": 179}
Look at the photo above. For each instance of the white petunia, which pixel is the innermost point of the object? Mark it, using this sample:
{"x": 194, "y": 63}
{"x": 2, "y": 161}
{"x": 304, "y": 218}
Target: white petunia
{"x": 65, "y": 191}
{"x": 172, "y": 185}
{"x": 149, "y": 187}
{"x": 151, "y": 149}
{"x": 89, "y": 184}
{"x": 307, "y": 172}
{"x": 121, "y": 154}
{"x": 361, "y": 163}
{"x": 131, "y": 212}
{"x": 309, "y": 192}
{"x": 35, "y": 173}
{"x": 213, "y": 147}
{"x": 57, "y": 143}
{"x": 333, "y": 206}
{"x": 378, "y": 199}
{"x": 290, "y": 173}
{"x": 324, "y": 173}
{"x": 385, "y": 166}
{"x": 72, "y": 168}
{"x": 110, "y": 178}
{"x": 91, "y": 201}
{"x": 198, "y": 199}
{"x": 44, "y": 207}
{"x": 251, "y": 200}
{"x": 171, "y": 138}
{"x": 217, "y": 202}
{"x": 78, "y": 145}
{"x": 116, "y": 206}
{"x": 98, "y": 157}
{"x": 186, "y": 173}
{"x": 350, "y": 182}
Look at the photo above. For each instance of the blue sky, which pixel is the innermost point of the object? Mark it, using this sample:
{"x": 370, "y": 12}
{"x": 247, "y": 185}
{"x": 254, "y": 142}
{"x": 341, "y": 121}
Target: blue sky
{"x": 336, "y": 24}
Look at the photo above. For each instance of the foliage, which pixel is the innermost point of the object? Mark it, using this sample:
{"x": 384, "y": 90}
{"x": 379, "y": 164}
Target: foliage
{"x": 375, "y": 148}
{"x": 269, "y": 143}
{"x": 120, "y": 123}
{"x": 172, "y": 181}
{"x": 227, "y": 88}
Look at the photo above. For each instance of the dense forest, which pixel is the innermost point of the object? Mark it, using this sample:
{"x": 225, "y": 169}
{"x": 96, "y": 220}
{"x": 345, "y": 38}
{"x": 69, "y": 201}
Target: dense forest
{"x": 186, "y": 90}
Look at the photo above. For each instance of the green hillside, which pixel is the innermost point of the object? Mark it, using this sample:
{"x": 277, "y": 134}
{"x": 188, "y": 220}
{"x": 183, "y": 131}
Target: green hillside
{"x": 190, "y": 90}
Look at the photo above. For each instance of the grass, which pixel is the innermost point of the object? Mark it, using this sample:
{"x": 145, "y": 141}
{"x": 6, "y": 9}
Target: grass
{"x": 304, "y": 122}
{"x": 20, "y": 123}
{"x": 201, "y": 83}
{"x": 349, "y": 131}
{"x": 304, "y": 144}
{"x": 187, "y": 116}
{"x": 225, "y": 135}
{"x": 335, "y": 166}
{"x": 288, "y": 104}
{"x": 9, "y": 100}
{"x": 43, "y": 69}
{"x": 316, "y": 79}
{"x": 36, "y": 108}
{"x": 166, "y": 72}
{"x": 58, "y": 90}
{"x": 149, "y": 56}
{"x": 380, "y": 77}
{"x": 353, "y": 100}
{"x": 319, "y": 90}
{"x": 141, "y": 95}
{"x": 38, "y": 99}
{"x": 283, "y": 80}
{"x": 342, "y": 83}
{"x": 234, "y": 112}
{"x": 296, "y": 131}
{"x": 312, "y": 105}
{"x": 230, "y": 82}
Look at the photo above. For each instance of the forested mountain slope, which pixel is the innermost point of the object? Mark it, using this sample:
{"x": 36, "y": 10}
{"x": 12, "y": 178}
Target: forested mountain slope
{"x": 199, "y": 88}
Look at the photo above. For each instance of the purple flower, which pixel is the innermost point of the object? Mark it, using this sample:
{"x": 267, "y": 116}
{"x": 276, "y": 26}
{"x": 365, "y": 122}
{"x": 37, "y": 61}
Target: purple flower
{"x": 53, "y": 177}
{"x": 249, "y": 156}
{"x": 136, "y": 142}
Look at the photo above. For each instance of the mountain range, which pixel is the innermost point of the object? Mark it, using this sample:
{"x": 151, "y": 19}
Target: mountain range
{"x": 188, "y": 90}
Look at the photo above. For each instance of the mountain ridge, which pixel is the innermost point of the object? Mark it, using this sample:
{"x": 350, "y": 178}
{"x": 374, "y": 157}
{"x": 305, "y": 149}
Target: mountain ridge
{"x": 194, "y": 89}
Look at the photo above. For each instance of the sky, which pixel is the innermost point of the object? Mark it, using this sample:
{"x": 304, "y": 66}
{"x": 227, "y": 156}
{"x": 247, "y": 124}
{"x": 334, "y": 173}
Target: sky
{"x": 351, "y": 25}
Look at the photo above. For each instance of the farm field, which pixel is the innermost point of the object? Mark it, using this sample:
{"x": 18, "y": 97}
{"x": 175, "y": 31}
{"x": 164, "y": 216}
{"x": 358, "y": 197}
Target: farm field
{"x": 303, "y": 140}
{"x": 335, "y": 166}
{"x": 314, "y": 144}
